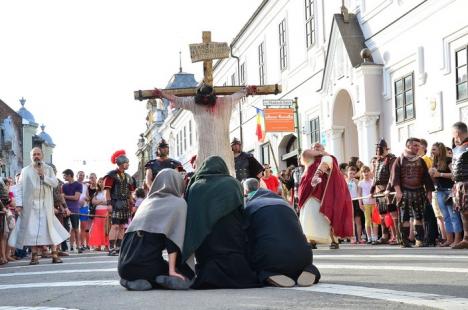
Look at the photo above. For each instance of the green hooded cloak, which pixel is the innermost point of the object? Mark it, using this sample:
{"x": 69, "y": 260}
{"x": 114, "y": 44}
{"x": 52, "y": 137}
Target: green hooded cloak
{"x": 212, "y": 194}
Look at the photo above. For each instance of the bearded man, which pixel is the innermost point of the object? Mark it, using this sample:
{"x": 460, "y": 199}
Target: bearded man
{"x": 212, "y": 115}
{"x": 325, "y": 204}
{"x": 37, "y": 225}
{"x": 413, "y": 189}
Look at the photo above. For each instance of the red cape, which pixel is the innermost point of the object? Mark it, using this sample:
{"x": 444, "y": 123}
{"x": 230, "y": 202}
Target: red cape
{"x": 333, "y": 195}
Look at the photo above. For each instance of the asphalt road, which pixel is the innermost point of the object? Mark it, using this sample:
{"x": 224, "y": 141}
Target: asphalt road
{"x": 353, "y": 277}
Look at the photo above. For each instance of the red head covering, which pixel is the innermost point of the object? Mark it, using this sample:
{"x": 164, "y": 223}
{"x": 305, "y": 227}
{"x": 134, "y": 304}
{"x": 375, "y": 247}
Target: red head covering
{"x": 116, "y": 155}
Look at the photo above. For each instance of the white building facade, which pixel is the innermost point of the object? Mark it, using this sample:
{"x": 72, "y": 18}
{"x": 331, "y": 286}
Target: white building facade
{"x": 375, "y": 68}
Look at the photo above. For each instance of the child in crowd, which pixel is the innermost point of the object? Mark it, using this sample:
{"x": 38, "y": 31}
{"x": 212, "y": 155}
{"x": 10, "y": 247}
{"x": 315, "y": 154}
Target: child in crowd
{"x": 353, "y": 190}
{"x": 139, "y": 197}
{"x": 368, "y": 204}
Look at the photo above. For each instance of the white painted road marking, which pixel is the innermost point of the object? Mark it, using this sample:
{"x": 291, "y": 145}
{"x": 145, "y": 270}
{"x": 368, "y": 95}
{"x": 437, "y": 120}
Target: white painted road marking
{"x": 33, "y": 308}
{"x": 413, "y": 298}
{"x": 319, "y": 265}
{"x": 393, "y": 268}
{"x": 61, "y": 284}
{"x": 13, "y": 274}
{"x": 391, "y": 256}
{"x": 54, "y": 265}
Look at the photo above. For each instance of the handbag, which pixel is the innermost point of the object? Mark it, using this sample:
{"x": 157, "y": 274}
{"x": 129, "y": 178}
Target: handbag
{"x": 376, "y": 216}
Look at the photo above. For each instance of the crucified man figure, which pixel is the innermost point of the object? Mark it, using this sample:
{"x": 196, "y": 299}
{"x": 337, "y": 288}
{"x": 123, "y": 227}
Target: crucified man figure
{"x": 212, "y": 115}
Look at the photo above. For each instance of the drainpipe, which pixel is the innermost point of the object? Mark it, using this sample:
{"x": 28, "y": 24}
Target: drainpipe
{"x": 241, "y": 135}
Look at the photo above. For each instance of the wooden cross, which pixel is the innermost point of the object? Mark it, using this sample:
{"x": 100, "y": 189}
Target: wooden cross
{"x": 206, "y": 52}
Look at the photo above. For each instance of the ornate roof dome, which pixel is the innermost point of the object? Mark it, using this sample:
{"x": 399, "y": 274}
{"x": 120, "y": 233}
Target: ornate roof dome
{"x": 45, "y": 136}
{"x": 182, "y": 80}
{"x": 24, "y": 113}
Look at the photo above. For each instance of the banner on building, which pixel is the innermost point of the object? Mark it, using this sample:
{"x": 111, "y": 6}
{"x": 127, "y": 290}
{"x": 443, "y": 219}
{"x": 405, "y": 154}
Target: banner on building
{"x": 279, "y": 120}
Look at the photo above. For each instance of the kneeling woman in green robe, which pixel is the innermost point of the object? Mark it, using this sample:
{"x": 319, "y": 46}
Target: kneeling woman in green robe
{"x": 158, "y": 225}
{"x": 214, "y": 231}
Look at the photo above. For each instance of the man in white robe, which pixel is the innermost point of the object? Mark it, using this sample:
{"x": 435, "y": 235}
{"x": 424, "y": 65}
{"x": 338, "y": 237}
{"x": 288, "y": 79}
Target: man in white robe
{"x": 37, "y": 225}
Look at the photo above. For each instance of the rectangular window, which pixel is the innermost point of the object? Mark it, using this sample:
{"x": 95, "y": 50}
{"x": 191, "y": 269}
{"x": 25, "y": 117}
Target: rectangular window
{"x": 283, "y": 45}
{"x": 265, "y": 152}
{"x": 242, "y": 74}
{"x": 404, "y": 99}
{"x": 261, "y": 63}
{"x": 461, "y": 64}
{"x": 177, "y": 143}
{"x": 180, "y": 143}
{"x": 190, "y": 132}
{"x": 185, "y": 138}
{"x": 233, "y": 79}
{"x": 310, "y": 22}
{"x": 314, "y": 130}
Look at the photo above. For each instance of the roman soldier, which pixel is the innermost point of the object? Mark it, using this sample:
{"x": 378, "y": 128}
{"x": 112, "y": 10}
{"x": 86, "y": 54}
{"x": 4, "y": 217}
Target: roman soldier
{"x": 381, "y": 167}
{"x": 118, "y": 188}
{"x": 460, "y": 176}
{"x": 245, "y": 163}
{"x": 161, "y": 162}
{"x": 413, "y": 190}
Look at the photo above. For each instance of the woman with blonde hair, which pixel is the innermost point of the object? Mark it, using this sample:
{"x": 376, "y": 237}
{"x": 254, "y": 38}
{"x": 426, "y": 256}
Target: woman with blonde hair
{"x": 442, "y": 175}
{"x": 97, "y": 235}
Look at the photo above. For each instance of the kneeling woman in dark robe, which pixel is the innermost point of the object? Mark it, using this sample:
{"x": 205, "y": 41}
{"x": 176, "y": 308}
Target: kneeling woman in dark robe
{"x": 214, "y": 229}
{"x": 158, "y": 224}
{"x": 278, "y": 249}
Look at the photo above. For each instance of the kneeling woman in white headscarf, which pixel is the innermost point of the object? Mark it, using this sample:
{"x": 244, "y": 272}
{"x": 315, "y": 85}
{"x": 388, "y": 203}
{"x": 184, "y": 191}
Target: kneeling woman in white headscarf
{"x": 158, "y": 224}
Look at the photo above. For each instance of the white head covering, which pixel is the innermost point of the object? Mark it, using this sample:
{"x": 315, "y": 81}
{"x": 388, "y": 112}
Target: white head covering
{"x": 163, "y": 211}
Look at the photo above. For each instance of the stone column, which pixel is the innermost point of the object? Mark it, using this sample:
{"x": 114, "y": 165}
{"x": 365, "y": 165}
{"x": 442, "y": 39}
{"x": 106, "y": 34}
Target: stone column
{"x": 367, "y": 135}
{"x": 336, "y": 146}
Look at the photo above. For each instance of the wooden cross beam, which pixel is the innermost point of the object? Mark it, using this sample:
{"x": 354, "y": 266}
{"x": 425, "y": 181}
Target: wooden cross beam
{"x": 206, "y": 52}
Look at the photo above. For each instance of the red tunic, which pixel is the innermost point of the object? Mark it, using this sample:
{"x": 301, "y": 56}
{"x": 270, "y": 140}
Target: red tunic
{"x": 333, "y": 195}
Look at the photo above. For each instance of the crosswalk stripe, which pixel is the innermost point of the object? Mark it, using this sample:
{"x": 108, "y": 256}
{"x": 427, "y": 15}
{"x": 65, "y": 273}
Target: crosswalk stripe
{"x": 14, "y": 274}
{"x": 414, "y": 298}
{"x": 394, "y": 268}
{"x": 391, "y": 256}
{"x": 319, "y": 265}
{"x": 66, "y": 263}
{"x": 61, "y": 284}
{"x": 33, "y": 308}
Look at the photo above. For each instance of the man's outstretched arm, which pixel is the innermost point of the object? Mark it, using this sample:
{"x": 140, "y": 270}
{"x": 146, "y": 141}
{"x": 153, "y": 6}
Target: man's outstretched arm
{"x": 186, "y": 103}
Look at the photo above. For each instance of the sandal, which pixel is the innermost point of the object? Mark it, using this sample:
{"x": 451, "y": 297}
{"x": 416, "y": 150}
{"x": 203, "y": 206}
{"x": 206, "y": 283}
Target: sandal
{"x": 334, "y": 246}
{"x": 34, "y": 259}
{"x": 55, "y": 258}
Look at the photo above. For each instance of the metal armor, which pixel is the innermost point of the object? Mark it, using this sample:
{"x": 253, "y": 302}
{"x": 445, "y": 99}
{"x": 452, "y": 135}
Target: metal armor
{"x": 412, "y": 173}
{"x": 122, "y": 185}
{"x": 460, "y": 163}
{"x": 158, "y": 165}
{"x": 242, "y": 166}
{"x": 382, "y": 169}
